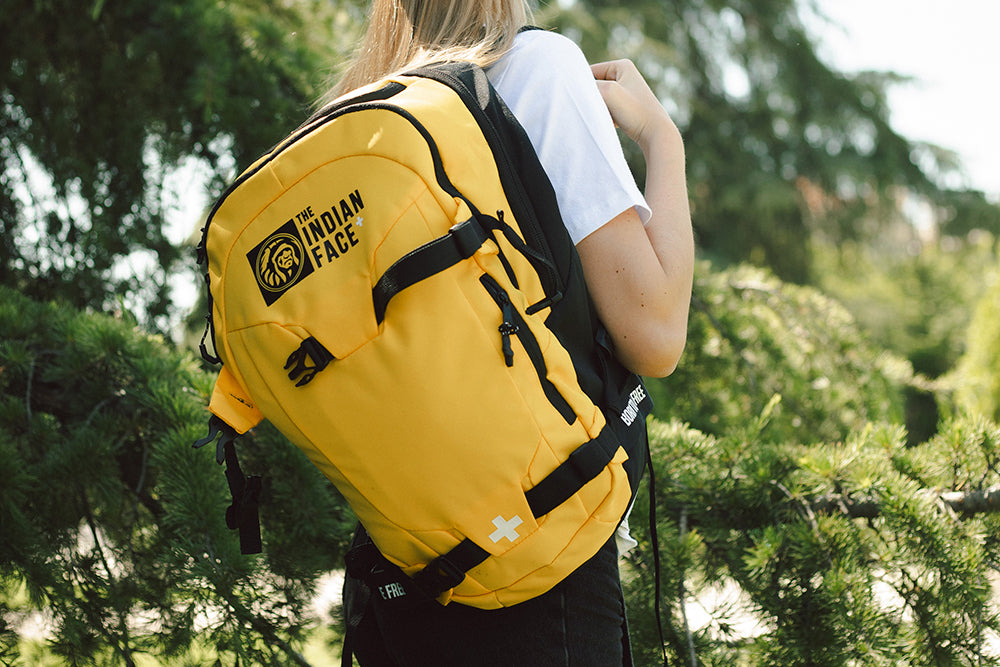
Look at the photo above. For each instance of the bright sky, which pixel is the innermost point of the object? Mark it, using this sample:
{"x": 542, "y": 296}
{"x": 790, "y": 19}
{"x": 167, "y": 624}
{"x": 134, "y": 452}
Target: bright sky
{"x": 952, "y": 49}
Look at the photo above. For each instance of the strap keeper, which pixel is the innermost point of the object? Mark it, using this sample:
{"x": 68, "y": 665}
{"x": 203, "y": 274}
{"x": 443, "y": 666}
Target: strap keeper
{"x": 469, "y": 236}
{"x": 439, "y": 576}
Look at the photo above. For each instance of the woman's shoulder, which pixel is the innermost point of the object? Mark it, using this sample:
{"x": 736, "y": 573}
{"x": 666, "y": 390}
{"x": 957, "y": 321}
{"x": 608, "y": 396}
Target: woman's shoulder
{"x": 542, "y": 61}
{"x": 545, "y": 46}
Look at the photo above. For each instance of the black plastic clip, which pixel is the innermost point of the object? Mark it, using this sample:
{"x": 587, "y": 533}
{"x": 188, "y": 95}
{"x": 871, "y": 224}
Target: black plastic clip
{"x": 216, "y": 427}
{"x": 309, "y": 351}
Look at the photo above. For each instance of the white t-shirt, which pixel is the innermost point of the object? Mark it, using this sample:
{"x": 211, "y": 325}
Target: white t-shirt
{"x": 548, "y": 85}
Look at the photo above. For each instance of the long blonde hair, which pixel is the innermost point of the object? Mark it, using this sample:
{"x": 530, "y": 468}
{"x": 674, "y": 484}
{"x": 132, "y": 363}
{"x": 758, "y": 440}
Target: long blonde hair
{"x": 403, "y": 34}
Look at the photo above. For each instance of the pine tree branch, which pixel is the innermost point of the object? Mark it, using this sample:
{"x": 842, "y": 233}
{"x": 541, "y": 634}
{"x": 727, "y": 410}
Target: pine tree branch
{"x": 981, "y": 501}
{"x": 257, "y": 623}
{"x": 122, "y": 643}
{"x": 965, "y": 503}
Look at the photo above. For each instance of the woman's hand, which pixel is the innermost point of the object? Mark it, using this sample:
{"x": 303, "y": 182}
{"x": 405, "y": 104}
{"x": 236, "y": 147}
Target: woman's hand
{"x": 632, "y": 104}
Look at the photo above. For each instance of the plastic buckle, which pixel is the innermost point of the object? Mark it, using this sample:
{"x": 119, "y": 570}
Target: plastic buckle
{"x": 217, "y": 428}
{"x": 310, "y": 350}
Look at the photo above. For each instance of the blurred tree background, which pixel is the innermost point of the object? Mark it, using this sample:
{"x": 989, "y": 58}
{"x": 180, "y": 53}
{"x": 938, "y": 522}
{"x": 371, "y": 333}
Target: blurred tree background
{"x": 827, "y": 452}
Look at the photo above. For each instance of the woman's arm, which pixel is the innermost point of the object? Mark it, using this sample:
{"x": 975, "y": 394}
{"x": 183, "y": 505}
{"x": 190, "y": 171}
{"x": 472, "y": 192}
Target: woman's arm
{"x": 640, "y": 276}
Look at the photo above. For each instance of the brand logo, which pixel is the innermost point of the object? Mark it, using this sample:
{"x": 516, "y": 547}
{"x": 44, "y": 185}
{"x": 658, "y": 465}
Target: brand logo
{"x": 631, "y": 410}
{"x": 279, "y": 262}
{"x": 391, "y": 591}
{"x": 311, "y": 240}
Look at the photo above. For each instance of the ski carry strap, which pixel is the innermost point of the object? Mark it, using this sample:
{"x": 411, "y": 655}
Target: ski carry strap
{"x": 571, "y": 475}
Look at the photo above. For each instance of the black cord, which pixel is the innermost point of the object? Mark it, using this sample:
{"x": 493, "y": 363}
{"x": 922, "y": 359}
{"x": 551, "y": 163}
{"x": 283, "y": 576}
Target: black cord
{"x": 656, "y": 551}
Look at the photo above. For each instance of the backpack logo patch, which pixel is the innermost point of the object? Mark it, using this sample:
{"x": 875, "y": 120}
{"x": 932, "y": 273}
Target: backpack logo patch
{"x": 635, "y": 399}
{"x": 279, "y": 262}
{"x": 307, "y": 242}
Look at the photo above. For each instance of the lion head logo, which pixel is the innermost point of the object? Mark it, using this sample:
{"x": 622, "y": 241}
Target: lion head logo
{"x": 279, "y": 262}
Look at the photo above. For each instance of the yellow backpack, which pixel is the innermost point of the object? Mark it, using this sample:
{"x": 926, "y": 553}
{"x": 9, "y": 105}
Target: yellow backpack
{"x": 393, "y": 288}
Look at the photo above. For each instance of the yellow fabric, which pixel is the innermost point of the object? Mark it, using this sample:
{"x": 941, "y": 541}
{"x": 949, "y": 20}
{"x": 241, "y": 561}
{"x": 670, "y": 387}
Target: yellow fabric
{"x": 232, "y": 403}
{"x": 381, "y": 420}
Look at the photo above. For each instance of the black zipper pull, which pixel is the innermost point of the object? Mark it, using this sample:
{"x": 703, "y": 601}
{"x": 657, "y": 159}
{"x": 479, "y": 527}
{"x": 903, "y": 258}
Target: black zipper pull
{"x": 507, "y": 328}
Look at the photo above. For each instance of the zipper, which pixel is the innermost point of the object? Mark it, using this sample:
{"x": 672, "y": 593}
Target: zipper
{"x": 375, "y": 100}
{"x": 513, "y": 324}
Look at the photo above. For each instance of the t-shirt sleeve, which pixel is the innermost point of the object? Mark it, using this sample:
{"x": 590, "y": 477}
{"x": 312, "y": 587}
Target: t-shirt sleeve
{"x": 549, "y": 87}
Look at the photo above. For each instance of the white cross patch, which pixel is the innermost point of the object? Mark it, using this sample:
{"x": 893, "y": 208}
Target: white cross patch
{"x": 505, "y": 528}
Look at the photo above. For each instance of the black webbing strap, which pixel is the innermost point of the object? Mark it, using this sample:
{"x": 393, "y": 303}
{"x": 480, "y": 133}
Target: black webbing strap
{"x": 583, "y": 465}
{"x": 655, "y": 544}
{"x": 447, "y": 571}
{"x": 242, "y": 514}
{"x": 461, "y": 242}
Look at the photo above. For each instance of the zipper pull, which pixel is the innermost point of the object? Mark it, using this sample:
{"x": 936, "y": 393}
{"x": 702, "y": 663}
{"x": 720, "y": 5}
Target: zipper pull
{"x": 507, "y": 328}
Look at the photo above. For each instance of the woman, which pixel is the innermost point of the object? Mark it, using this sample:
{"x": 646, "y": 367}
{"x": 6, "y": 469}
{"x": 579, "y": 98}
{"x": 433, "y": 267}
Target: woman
{"x": 637, "y": 256}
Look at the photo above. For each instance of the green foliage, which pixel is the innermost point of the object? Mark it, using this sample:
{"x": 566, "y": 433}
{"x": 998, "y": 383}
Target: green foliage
{"x": 115, "y": 525}
{"x": 101, "y": 102}
{"x": 752, "y": 337}
{"x": 914, "y": 299}
{"x": 842, "y": 554}
{"x": 968, "y": 211}
{"x": 976, "y": 379}
{"x": 763, "y": 117}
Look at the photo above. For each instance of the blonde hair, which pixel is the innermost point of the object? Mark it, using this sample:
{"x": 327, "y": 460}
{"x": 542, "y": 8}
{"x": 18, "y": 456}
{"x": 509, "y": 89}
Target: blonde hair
{"x": 403, "y": 34}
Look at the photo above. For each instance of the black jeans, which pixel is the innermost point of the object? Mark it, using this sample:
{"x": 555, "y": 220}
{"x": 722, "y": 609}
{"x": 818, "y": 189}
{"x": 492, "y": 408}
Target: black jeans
{"x": 578, "y": 623}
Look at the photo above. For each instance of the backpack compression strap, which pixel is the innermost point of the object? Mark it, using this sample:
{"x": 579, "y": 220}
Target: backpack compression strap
{"x": 583, "y": 465}
{"x": 461, "y": 242}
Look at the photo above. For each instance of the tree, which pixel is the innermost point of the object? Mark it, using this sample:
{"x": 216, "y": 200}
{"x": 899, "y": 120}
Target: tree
{"x": 782, "y": 579}
{"x": 752, "y": 337}
{"x": 114, "y": 524}
{"x": 975, "y": 381}
{"x": 103, "y": 102}
{"x": 846, "y": 544}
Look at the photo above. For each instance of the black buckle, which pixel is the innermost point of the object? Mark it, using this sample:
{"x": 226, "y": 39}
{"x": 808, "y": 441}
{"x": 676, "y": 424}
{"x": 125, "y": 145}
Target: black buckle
{"x": 217, "y": 428}
{"x": 309, "y": 351}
